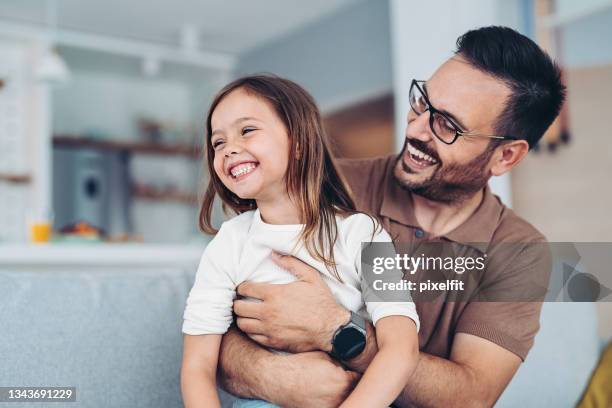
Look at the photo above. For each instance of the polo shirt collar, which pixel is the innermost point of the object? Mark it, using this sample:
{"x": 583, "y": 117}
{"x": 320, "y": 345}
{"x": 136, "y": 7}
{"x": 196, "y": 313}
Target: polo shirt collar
{"x": 397, "y": 203}
{"x": 477, "y": 231}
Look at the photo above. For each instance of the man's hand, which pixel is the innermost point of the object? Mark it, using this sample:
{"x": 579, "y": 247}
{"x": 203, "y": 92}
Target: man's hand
{"x": 332, "y": 385}
{"x": 297, "y": 317}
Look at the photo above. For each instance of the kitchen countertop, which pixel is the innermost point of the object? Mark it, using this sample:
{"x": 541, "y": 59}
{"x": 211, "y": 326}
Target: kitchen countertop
{"x": 101, "y": 254}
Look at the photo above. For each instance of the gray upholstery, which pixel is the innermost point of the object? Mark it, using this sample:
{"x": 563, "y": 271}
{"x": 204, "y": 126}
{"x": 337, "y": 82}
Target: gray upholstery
{"x": 560, "y": 364}
{"x": 116, "y": 336}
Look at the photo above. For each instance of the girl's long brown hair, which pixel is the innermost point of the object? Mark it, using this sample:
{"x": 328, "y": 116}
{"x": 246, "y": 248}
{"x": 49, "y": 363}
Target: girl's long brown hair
{"x": 313, "y": 181}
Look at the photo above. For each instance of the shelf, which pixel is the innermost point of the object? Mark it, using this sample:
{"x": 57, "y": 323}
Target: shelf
{"x": 15, "y": 178}
{"x": 192, "y": 152}
{"x": 153, "y": 194}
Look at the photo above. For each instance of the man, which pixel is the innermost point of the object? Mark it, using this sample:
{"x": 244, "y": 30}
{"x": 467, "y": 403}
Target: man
{"x": 476, "y": 117}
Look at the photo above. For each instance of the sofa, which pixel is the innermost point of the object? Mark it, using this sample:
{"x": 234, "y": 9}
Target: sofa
{"x": 115, "y": 335}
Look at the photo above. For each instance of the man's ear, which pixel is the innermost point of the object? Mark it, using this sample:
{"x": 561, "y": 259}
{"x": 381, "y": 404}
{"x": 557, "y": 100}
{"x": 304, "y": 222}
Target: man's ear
{"x": 508, "y": 155}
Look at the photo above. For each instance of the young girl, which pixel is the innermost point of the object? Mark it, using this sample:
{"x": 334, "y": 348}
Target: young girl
{"x": 269, "y": 162}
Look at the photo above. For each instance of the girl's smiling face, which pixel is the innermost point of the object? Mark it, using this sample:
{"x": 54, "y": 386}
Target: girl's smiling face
{"x": 251, "y": 146}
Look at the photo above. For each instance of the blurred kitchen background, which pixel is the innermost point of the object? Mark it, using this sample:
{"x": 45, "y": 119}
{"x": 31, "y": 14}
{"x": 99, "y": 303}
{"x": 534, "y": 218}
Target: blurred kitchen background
{"x": 102, "y": 105}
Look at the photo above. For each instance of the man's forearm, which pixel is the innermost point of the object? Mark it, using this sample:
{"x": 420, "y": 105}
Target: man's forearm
{"x": 436, "y": 381}
{"x": 248, "y": 370}
{"x": 244, "y": 380}
{"x": 441, "y": 382}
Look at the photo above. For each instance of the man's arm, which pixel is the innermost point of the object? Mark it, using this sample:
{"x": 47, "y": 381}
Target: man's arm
{"x": 243, "y": 366}
{"x": 250, "y": 371}
{"x": 475, "y": 375}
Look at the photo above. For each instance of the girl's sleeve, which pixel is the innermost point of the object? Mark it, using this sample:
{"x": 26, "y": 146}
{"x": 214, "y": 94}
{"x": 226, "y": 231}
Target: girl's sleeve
{"x": 378, "y": 304}
{"x": 209, "y": 305}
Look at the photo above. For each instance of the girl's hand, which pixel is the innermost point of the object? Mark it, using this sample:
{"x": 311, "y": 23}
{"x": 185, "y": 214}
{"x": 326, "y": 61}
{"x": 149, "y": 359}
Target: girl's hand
{"x": 297, "y": 317}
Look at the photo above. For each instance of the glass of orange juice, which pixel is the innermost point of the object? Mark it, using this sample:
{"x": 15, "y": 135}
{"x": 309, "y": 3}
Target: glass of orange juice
{"x": 40, "y": 227}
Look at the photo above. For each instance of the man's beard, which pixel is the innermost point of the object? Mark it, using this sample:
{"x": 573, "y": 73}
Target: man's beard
{"x": 450, "y": 184}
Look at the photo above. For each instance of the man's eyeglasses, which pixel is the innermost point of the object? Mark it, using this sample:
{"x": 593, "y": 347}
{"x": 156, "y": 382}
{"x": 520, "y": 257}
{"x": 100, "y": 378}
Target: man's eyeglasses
{"x": 442, "y": 126}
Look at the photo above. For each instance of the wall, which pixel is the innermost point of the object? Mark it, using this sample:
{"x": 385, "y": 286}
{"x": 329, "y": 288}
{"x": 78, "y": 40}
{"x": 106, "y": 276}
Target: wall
{"x": 568, "y": 194}
{"x": 341, "y": 59}
{"x": 582, "y": 41}
{"x": 108, "y": 92}
{"x": 572, "y": 187}
{"x": 362, "y": 130}
{"x": 25, "y": 121}
{"x": 108, "y": 105}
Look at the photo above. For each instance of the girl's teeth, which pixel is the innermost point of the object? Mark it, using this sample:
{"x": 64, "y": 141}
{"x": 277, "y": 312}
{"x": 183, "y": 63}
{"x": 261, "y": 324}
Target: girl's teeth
{"x": 242, "y": 169}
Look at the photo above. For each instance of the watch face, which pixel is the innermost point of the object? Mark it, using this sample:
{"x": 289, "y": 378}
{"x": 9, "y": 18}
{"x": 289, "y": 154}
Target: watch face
{"x": 349, "y": 343}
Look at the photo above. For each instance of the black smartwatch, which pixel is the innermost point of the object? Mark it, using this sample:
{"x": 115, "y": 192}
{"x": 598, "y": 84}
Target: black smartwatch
{"x": 350, "y": 339}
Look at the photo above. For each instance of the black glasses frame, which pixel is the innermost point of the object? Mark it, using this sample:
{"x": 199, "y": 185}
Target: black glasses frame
{"x": 432, "y": 110}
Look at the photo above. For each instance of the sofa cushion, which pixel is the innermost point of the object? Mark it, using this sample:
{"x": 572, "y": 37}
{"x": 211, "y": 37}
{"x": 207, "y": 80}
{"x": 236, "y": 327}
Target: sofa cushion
{"x": 114, "y": 335}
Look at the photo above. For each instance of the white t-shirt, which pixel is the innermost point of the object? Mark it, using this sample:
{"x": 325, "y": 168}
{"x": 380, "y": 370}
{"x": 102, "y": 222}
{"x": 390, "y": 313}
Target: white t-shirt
{"x": 241, "y": 252}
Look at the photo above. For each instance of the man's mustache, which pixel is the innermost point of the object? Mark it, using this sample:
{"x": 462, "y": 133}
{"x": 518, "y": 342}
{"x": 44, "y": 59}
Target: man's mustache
{"x": 422, "y": 146}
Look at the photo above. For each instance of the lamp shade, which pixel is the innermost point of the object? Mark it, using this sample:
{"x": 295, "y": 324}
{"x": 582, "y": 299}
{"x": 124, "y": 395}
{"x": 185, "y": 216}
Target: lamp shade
{"x": 52, "y": 68}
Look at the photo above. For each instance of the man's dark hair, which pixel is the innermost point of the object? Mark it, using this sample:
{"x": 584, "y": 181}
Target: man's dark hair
{"x": 537, "y": 92}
